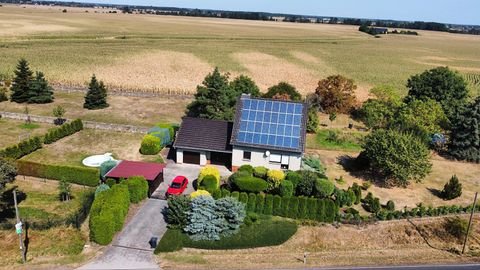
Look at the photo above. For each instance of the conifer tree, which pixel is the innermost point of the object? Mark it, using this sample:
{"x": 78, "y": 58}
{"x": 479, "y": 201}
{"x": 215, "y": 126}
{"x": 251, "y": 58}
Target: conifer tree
{"x": 21, "y": 83}
{"x": 40, "y": 91}
{"x": 96, "y": 97}
{"x": 465, "y": 137}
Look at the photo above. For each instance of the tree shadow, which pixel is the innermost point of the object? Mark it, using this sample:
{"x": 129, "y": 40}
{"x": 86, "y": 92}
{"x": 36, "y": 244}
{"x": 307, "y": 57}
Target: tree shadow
{"x": 26, "y": 241}
{"x": 435, "y": 192}
{"x": 8, "y": 203}
{"x": 362, "y": 171}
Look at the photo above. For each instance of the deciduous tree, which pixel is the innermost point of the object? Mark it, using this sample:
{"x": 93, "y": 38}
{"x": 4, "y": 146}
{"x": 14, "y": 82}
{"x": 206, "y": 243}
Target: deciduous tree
{"x": 336, "y": 94}
{"x": 281, "y": 89}
{"x": 245, "y": 85}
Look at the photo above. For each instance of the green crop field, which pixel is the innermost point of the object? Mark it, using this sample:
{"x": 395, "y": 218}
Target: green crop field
{"x": 164, "y": 53}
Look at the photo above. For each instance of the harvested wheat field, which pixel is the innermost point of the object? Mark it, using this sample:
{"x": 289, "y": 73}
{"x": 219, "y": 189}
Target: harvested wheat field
{"x": 385, "y": 243}
{"x": 173, "y": 54}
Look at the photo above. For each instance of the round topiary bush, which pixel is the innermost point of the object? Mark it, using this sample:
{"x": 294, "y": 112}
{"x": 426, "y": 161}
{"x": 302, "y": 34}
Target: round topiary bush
{"x": 324, "y": 188}
{"x": 286, "y": 188}
{"x": 294, "y": 178}
{"x": 210, "y": 183}
{"x": 390, "y": 205}
{"x": 260, "y": 172}
{"x": 150, "y": 145}
{"x": 199, "y": 193}
{"x": 250, "y": 184}
{"x": 246, "y": 168}
{"x": 208, "y": 170}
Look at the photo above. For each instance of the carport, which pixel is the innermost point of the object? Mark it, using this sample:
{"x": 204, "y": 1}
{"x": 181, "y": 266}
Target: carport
{"x": 152, "y": 172}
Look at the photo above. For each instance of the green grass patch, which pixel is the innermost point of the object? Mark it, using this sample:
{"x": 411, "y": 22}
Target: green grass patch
{"x": 335, "y": 139}
{"x": 29, "y": 126}
{"x": 267, "y": 231}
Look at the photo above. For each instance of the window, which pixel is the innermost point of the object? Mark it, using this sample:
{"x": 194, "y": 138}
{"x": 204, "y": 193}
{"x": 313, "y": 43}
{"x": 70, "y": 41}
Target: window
{"x": 274, "y": 158}
{"x": 247, "y": 155}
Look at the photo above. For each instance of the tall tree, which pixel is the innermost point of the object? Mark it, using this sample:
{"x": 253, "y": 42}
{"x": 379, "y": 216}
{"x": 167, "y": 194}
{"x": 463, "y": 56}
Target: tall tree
{"x": 40, "y": 91}
{"x": 214, "y": 99}
{"x": 7, "y": 175}
{"x": 465, "y": 137}
{"x": 442, "y": 85}
{"x": 336, "y": 94}
{"x": 22, "y": 82}
{"x": 96, "y": 97}
{"x": 281, "y": 90}
{"x": 245, "y": 85}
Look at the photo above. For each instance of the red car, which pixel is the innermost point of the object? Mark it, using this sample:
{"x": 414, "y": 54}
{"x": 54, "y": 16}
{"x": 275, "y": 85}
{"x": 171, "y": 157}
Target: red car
{"x": 178, "y": 186}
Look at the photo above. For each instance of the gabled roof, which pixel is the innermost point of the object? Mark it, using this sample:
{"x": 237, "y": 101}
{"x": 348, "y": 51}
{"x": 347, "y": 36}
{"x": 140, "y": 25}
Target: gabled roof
{"x": 204, "y": 134}
{"x": 126, "y": 169}
{"x": 270, "y": 124}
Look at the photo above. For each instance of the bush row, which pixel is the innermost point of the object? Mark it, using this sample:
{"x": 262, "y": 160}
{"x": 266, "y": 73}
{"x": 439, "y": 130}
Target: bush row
{"x": 65, "y": 130}
{"x": 76, "y": 175}
{"x": 108, "y": 213}
{"x": 422, "y": 211}
{"x": 138, "y": 188}
{"x": 21, "y": 149}
{"x": 323, "y": 210}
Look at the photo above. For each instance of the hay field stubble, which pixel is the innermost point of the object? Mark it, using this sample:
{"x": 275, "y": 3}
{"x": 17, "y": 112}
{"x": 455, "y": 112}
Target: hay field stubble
{"x": 159, "y": 53}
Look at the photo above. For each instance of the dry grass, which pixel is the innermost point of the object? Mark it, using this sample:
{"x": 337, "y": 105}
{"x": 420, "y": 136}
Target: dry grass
{"x": 387, "y": 243}
{"x": 416, "y": 192}
{"x": 73, "y": 149}
{"x": 13, "y": 131}
{"x": 157, "y": 50}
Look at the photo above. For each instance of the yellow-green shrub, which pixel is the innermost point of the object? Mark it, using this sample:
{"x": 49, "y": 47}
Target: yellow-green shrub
{"x": 209, "y": 170}
{"x": 275, "y": 177}
{"x": 199, "y": 193}
{"x": 150, "y": 145}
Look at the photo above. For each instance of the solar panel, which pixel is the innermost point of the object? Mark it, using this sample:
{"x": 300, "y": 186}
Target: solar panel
{"x": 271, "y": 123}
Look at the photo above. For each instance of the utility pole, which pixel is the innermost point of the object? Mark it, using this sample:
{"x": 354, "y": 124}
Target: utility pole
{"x": 470, "y": 222}
{"x": 18, "y": 227}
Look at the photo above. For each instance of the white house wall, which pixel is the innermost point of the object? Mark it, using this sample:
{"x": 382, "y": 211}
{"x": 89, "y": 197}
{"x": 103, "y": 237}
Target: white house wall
{"x": 259, "y": 158}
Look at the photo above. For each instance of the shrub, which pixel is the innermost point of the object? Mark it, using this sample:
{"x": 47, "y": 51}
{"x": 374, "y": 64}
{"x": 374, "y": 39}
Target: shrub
{"x": 294, "y": 178}
{"x": 268, "y": 208}
{"x": 63, "y": 131}
{"x": 330, "y": 210}
{"x": 250, "y": 184}
{"x": 312, "y": 208}
{"x": 200, "y": 193}
{"x": 293, "y": 207}
{"x": 243, "y": 197}
{"x": 171, "y": 241}
{"x": 358, "y": 192}
{"x": 210, "y": 183}
{"x": 277, "y": 205}
{"x": 366, "y": 185}
{"x": 390, "y": 206}
{"x": 110, "y": 182}
{"x": 209, "y": 170}
{"x": 106, "y": 166}
{"x": 260, "y": 203}
{"x": 101, "y": 188}
{"x": 150, "y": 145}
{"x": 274, "y": 178}
{"x": 351, "y": 197}
{"x": 452, "y": 189}
{"x": 252, "y": 200}
{"x": 306, "y": 186}
{"x": 260, "y": 172}
{"x": 21, "y": 149}
{"x": 286, "y": 189}
{"x": 285, "y": 205}
{"x": 456, "y": 227}
{"x": 169, "y": 127}
{"x": 246, "y": 168}
{"x": 302, "y": 208}
{"x": 3, "y": 94}
{"x": 102, "y": 228}
{"x": 225, "y": 193}
{"x": 324, "y": 188}
{"x": 75, "y": 175}
{"x": 138, "y": 188}
{"x": 217, "y": 194}
{"x": 176, "y": 212}
{"x": 236, "y": 195}
{"x": 313, "y": 164}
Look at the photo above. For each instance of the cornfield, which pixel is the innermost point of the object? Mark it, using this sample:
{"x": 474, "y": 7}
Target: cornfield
{"x": 473, "y": 81}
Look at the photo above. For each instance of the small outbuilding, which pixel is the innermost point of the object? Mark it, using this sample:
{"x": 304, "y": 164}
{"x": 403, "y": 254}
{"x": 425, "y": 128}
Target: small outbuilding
{"x": 152, "y": 172}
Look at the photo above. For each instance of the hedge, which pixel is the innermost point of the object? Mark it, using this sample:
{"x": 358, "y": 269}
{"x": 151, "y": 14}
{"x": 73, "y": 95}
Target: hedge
{"x": 260, "y": 203}
{"x": 246, "y": 168}
{"x": 252, "y": 201}
{"x": 138, "y": 188}
{"x": 260, "y": 172}
{"x": 65, "y": 130}
{"x": 210, "y": 183}
{"x": 77, "y": 175}
{"x": 21, "y": 149}
{"x": 268, "y": 208}
{"x": 277, "y": 205}
{"x": 250, "y": 184}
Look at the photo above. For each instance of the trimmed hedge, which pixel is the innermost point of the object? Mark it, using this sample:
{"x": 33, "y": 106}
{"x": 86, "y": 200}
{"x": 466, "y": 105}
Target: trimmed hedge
{"x": 77, "y": 175}
{"x": 21, "y": 149}
{"x": 246, "y": 168}
{"x": 65, "y": 130}
{"x": 138, "y": 188}
{"x": 252, "y": 202}
{"x": 260, "y": 203}
{"x": 260, "y": 172}
{"x": 210, "y": 183}
{"x": 250, "y": 184}
{"x": 268, "y": 208}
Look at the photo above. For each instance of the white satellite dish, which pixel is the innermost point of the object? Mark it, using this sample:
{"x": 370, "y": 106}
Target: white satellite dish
{"x": 267, "y": 153}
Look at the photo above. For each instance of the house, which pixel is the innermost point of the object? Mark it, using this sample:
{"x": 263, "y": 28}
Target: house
{"x": 379, "y": 30}
{"x": 265, "y": 132}
{"x": 152, "y": 172}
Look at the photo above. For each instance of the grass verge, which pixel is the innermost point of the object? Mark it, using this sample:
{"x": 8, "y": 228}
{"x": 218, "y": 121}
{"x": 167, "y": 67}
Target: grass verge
{"x": 335, "y": 139}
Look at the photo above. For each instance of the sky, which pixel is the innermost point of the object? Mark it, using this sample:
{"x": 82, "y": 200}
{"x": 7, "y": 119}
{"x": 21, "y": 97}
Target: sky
{"x": 445, "y": 11}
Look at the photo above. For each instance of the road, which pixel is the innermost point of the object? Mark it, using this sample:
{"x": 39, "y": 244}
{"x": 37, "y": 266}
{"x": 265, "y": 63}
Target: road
{"x": 407, "y": 267}
{"x": 130, "y": 249}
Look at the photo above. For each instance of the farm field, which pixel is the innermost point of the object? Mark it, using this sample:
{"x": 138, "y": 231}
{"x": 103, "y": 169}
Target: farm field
{"x": 15, "y": 131}
{"x": 173, "y": 54}
{"x": 397, "y": 242}
{"x": 73, "y": 149}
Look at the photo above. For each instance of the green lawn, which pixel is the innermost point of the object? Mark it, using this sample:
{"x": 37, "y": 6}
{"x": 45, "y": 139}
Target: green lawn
{"x": 13, "y": 131}
{"x": 266, "y": 231}
{"x": 335, "y": 139}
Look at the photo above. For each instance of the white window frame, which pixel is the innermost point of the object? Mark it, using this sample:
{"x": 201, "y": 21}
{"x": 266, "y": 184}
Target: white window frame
{"x": 275, "y": 158}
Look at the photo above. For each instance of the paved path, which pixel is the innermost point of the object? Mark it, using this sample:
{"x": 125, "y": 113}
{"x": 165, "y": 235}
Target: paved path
{"x": 131, "y": 250}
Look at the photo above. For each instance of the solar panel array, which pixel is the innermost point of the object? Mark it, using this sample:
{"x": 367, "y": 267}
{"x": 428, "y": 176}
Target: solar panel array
{"x": 270, "y": 123}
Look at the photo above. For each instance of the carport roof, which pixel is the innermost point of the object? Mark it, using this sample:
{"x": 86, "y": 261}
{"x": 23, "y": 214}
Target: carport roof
{"x": 204, "y": 134}
{"x": 126, "y": 169}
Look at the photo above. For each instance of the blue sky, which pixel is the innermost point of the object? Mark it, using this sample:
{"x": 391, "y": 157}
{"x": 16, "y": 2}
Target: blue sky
{"x": 446, "y": 11}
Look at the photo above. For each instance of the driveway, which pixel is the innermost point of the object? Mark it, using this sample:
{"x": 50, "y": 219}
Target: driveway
{"x": 190, "y": 171}
{"x": 130, "y": 249}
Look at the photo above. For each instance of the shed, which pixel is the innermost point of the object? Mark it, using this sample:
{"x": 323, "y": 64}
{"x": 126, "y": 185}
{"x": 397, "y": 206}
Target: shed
{"x": 153, "y": 172}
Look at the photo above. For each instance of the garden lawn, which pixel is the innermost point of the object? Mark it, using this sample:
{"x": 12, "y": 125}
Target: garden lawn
{"x": 73, "y": 149}
{"x": 267, "y": 231}
{"x": 335, "y": 139}
{"x": 13, "y": 131}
